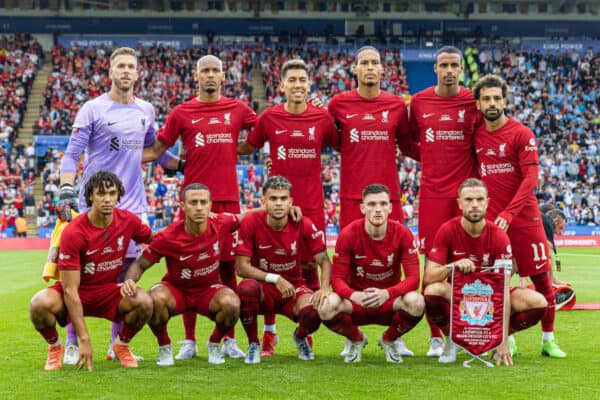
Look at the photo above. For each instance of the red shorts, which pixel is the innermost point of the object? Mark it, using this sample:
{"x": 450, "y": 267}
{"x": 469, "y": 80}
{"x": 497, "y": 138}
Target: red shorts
{"x": 231, "y": 207}
{"x": 432, "y": 214}
{"x": 367, "y": 316}
{"x": 350, "y": 211}
{"x": 193, "y": 300}
{"x": 273, "y": 303}
{"x": 319, "y": 220}
{"x": 530, "y": 249}
{"x": 101, "y": 301}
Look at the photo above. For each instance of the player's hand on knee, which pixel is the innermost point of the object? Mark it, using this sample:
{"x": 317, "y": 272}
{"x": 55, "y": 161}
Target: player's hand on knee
{"x": 67, "y": 202}
{"x": 85, "y": 355}
{"x": 285, "y": 288}
{"x": 318, "y": 298}
{"x": 358, "y": 298}
{"x": 375, "y": 297}
{"x": 128, "y": 288}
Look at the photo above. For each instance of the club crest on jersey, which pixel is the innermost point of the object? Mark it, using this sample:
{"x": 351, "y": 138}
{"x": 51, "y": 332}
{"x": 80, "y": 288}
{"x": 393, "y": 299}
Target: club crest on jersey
{"x": 390, "y": 260}
{"x": 461, "y": 116}
{"x": 216, "y": 248}
{"x": 311, "y": 133}
{"x": 476, "y": 306}
{"x": 227, "y": 118}
{"x": 502, "y": 150}
{"x": 486, "y": 260}
{"x": 199, "y": 139}
{"x": 384, "y": 116}
{"x": 120, "y": 243}
{"x": 143, "y": 122}
{"x": 294, "y": 248}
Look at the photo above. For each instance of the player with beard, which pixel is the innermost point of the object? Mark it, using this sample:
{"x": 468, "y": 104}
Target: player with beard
{"x": 507, "y": 153}
{"x": 209, "y": 126}
{"x": 442, "y": 119}
{"x": 467, "y": 242}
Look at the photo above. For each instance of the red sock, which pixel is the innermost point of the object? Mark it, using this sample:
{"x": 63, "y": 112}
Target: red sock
{"x": 438, "y": 310}
{"x": 311, "y": 278}
{"x": 189, "y": 324}
{"x": 402, "y": 322}
{"x": 308, "y": 322}
{"x": 434, "y": 331}
{"x": 543, "y": 285}
{"x": 342, "y": 325}
{"x": 218, "y": 333}
{"x": 269, "y": 319}
{"x": 525, "y": 319}
{"x": 162, "y": 336}
{"x": 249, "y": 292}
{"x": 50, "y": 334}
{"x": 127, "y": 333}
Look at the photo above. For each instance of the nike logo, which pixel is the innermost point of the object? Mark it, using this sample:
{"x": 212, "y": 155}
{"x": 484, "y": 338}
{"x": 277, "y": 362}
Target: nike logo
{"x": 360, "y": 257}
{"x": 280, "y": 131}
{"x": 90, "y": 252}
{"x": 266, "y": 246}
{"x": 197, "y": 120}
{"x": 458, "y": 253}
{"x": 348, "y": 116}
{"x": 112, "y": 123}
{"x": 539, "y": 266}
{"x": 182, "y": 258}
{"x": 427, "y": 115}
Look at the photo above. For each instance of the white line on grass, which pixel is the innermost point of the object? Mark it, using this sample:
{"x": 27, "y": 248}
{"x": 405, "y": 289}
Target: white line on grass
{"x": 578, "y": 255}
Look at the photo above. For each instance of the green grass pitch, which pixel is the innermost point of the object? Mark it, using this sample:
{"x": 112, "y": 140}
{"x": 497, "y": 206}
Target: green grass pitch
{"x": 23, "y": 353}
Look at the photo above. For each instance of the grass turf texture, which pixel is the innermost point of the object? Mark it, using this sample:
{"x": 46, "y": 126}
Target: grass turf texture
{"x": 23, "y": 353}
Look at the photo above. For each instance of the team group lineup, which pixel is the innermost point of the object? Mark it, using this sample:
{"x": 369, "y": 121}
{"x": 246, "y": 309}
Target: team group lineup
{"x": 477, "y": 208}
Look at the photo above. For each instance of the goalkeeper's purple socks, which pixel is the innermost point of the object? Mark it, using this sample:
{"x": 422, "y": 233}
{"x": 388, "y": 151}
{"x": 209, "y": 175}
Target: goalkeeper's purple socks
{"x": 71, "y": 335}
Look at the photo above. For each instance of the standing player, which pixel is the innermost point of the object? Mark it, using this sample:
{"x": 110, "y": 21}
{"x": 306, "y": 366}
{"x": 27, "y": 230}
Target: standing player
{"x": 442, "y": 119}
{"x": 371, "y": 123}
{"x": 297, "y": 133}
{"x": 371, "y": 254}
{"x": 192, "y": 283}
{"x": 467, "y": 242}
{"x": 209, "y": 126}
{"x": 112, "y": 130}
{"x": 92, "y": 254}
{"x": 268, "y": 256}
{"x": 508, "y": 157}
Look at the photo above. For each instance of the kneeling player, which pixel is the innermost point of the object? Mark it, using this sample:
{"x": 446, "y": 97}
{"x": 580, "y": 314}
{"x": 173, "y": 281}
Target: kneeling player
{"x": 370, "y": 256}
{"x": 467, "y": 242}
{"x": 92, "y": 254}
{"x": 192, "y": 283}
{"x": 267, "y": 255}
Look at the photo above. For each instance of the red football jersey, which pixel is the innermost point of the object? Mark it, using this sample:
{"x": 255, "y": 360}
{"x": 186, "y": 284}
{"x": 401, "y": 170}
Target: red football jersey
{"x": 99, "y": 253}
{"x": 361, "y": 262}
{"x": 444, "y": 127}
{"x": 277, "y": 251}
{"x": 209, "y": 132}
{"x": 296, "y": 142}
{"x": 369, "y": 132}
{"x": 453, "y": 243}
{"x": 192, "y": 261}
{"x": 502, "y": 154}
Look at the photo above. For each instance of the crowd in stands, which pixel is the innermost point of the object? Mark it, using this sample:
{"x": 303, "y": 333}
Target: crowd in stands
{"x": 20, "y": 58}
{"x": 556, "y": 95}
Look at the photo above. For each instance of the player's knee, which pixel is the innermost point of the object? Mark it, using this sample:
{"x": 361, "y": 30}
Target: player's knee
{"x": 248, "y": 288}
{"x": 435, "y": 289}
{"x": 330, "y": 307}
{"x": 39, "y": 306}
{"x": 415, "y": 304}
{"x": 230, "y": 306}
{"x": 143, "y": 304}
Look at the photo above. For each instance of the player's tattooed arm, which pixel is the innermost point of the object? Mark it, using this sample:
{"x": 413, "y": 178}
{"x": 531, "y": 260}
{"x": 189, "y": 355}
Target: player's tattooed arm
{"x": 320, "y": 295}
{"x": 134, "y": 273}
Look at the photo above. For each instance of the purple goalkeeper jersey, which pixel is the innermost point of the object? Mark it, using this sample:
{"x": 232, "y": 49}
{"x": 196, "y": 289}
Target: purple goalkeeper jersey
{"x": 112, "y": 135}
